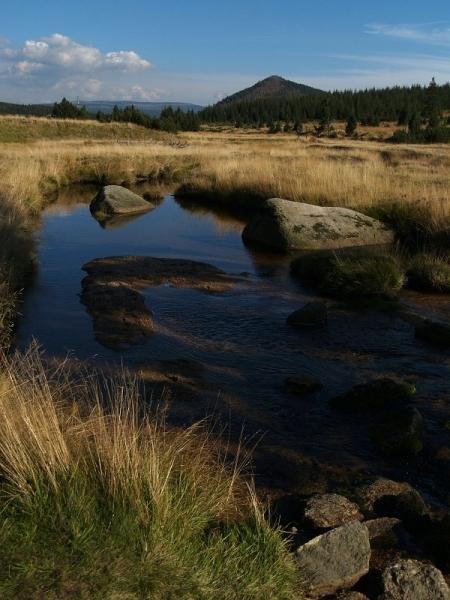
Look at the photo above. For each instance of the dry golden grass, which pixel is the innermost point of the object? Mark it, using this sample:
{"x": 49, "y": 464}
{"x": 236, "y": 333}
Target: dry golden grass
{"x": 356, "y": 174}
{"x": 28, "y": 129}
{"x": 407, "y": 186}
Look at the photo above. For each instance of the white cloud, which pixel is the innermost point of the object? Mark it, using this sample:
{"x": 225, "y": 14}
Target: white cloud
{"x": 56, "y": 64}
{"x": 61, "y": 52}
{"x": 428, "y": 33}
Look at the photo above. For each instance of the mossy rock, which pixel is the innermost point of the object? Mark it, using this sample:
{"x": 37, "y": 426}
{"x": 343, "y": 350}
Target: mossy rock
{"x": 399, "y": 433}
{"x": 376, "y": 394}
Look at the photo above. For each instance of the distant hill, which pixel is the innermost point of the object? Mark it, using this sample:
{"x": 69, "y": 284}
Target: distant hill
{"x": 152, "y": 109}
{"x": 271, "y": 87}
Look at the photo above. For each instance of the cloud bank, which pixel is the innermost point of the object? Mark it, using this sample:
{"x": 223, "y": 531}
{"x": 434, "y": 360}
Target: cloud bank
{"x": 53, "y": 66}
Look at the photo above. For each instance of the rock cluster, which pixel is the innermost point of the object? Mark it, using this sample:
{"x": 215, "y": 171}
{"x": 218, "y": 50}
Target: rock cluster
{"x": 345, "y": 535}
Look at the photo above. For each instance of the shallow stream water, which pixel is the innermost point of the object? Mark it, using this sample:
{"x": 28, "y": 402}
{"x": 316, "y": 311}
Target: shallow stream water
{"x": 234, "y": 350}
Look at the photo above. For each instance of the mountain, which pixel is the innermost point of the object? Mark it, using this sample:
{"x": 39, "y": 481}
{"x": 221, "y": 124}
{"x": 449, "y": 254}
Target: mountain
{"x": 271, "y": 87}
{"x": 153, "y": 109}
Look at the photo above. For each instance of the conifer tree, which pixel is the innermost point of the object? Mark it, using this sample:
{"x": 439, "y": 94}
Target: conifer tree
{"x": 351, "y": 125}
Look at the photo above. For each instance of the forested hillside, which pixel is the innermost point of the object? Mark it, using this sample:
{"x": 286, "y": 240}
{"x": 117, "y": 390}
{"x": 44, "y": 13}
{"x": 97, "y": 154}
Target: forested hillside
{"x": 369, "y": 106}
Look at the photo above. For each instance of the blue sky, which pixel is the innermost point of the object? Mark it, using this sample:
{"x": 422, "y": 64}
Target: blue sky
{"x": 199, "y": 51}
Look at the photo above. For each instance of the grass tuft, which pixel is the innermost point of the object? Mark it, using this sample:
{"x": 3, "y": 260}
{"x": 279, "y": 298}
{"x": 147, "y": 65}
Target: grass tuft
{"x": 101, "y": 499}
{"x": 430, "y": 272}
{"x": 352, "y": 273}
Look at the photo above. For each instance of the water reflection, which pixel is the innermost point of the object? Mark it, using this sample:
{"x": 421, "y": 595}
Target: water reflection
{"x": 231, "y": 352}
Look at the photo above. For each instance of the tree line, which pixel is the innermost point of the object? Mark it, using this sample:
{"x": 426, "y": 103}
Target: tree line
{"x": 169, "y": 120}
{"x": 420, "y": 108}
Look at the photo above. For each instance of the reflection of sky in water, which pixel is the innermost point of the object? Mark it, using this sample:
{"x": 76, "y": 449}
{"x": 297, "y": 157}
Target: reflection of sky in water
{"x": 241, "y": 336}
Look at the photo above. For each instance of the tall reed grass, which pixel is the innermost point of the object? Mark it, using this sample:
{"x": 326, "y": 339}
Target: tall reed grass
{"x": 100, "y": 498}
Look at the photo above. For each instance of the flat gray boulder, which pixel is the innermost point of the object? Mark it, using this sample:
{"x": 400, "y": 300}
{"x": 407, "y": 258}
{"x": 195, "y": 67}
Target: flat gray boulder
{"x": 287, "y": 225}
{"x": 117, "y": 200}
{"x": 334, "y": 561}
{"x": 413, "y": 580}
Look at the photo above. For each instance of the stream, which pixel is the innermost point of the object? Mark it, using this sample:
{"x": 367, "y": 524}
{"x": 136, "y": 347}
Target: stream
{"x": 229, "y": 354}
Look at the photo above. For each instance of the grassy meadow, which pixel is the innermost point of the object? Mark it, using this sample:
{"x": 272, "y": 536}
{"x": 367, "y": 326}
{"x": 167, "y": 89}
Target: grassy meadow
{"x": 129, "y": 507}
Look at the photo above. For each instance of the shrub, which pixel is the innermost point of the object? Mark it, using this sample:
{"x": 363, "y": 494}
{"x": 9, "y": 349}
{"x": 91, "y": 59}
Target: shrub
{"x": 430, "y": 272}
{"x": 101, "y": 499}
{"x": 352, "y": 273}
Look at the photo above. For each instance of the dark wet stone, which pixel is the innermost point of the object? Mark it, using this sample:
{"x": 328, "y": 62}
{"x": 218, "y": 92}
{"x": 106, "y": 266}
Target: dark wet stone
{"x": 399, "y": 433}
{"x": 330, "y": 510}
{"x": 376, "y": 394}
{"x": 381, "y": 488}
{"x": 302, "y": 385}
{"x": 413, "y": 580}
{"x": 335, "y": 560}
{"x": 434, "y": 332}
{"x": 382, "y": 532}
{"x": 314, "y": 314}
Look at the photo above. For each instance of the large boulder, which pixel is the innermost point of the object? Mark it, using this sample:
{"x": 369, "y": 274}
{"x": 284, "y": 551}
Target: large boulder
{"x": 335, "y": 560}
{"x": 117, "y": 200}
{"x": 413, "y": 580}
{"x": 286, "y": 225}
{"x": 326, "y": 511}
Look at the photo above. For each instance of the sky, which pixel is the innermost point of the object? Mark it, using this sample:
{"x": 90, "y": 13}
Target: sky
{"x": 200, "y": 51}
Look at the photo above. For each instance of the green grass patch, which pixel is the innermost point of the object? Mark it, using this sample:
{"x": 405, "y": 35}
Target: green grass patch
{"x": 355, "y": 273}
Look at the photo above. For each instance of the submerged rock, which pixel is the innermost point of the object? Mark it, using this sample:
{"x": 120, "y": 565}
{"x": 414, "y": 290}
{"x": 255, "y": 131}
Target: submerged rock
{"x": 117, "y": 200}
{"x": 313, "y": 314}
{"x": 287, "y": 225}
{"x": 434, "y": 332}
{"x": 399, "y": 433}
{"x": 120, "y": 315}
{"x": 330, "y": 510}
{"x": 376, "y": 394}
{"x": 302, "y": 386}
{"x": 413, "y": 580}
{"x": 335, "y": 560}
{"x": 111, "y": 292}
